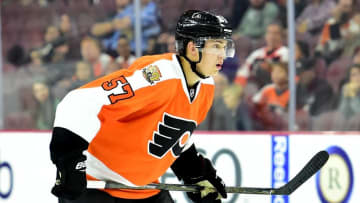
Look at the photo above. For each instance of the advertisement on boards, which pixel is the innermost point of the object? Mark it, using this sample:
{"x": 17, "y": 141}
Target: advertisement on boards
{"x": 337, "y": 181}
{"x": 247, "y": 160}
{"x": 26, "y": 172}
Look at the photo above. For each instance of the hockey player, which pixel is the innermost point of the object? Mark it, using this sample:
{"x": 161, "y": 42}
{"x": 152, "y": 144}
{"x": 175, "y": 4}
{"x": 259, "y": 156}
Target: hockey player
{"x": 132, "y": 125}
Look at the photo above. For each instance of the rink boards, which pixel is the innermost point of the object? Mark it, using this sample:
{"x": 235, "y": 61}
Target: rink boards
{"x": 246, "y": 159}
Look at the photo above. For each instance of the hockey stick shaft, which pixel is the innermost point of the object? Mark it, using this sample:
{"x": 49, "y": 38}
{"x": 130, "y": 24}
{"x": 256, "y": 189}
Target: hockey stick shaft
{"x": 175, "y": 187}
{"x": 314, "y": 165}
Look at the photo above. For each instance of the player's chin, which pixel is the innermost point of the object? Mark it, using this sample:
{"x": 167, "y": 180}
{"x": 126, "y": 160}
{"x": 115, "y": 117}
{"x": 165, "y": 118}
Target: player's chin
{"x": 215, "y": 72}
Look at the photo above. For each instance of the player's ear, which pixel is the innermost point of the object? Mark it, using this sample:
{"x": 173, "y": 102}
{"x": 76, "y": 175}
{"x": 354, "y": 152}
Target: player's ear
{"x": 192, "y": 51}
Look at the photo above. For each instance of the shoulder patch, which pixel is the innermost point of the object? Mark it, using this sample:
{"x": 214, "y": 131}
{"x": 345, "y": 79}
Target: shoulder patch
{"x": 152, "y": 73}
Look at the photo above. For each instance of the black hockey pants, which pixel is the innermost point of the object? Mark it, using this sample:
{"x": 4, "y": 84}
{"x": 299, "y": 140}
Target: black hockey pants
{"x": 98, "y": 196}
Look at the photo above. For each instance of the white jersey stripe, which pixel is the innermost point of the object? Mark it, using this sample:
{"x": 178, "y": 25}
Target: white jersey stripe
{"x": 98, "y": 170}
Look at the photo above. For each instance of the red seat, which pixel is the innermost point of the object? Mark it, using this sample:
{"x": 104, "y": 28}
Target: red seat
{"x": 8, "y": 67}
{"x": 19, "y": 121}
{"x": 329, "y": 121}
{"x": 169, "y": 15}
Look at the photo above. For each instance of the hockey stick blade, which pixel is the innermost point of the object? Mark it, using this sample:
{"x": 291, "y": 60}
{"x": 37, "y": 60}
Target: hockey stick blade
{"x": 309, "y": 170}
{"x": 313, "y": 166}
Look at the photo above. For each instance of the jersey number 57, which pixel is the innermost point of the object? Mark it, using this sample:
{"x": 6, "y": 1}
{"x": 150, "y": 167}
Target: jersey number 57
{"x": 109, "y": 85}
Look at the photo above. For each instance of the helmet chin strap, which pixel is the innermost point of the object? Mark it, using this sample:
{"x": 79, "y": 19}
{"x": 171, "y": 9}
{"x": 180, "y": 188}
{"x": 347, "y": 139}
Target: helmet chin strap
{"x": 193, "y": 66}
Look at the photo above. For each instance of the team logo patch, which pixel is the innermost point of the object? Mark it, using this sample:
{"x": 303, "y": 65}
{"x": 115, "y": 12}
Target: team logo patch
{"x": 172, "y": 134}
{"x": 152, "y": 73}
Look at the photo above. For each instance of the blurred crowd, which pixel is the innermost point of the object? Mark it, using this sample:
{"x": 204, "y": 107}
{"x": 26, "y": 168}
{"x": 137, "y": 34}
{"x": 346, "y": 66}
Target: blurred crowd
{"x": 51, "y": 47}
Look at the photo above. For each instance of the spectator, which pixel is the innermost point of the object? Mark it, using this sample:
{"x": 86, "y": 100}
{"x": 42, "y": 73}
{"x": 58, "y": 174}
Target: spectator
{"x": 336, "y": 31}
{"x": 153, "y": 46}
{"x": 299, "y": 6}
{"x": 257, "y": 17}
{"x": 236, "y": 115}
{"x": 91, "y": 53}
{"x": 343, "y": 63}
{"x": 44, "y": 112}
{"x": 112, "y": 67}
{"x": 124, "y": 23}
{"x": 35, "y": 58}
{"x": 352, "y": 41}
{"x": 302, "y": 54}
{"x": 238, "y": 10}
{"x": 350, "y": 96}
{"x": 271, "y": 102}
{"x": 159, "y": 44}
{"x": 67, "y": 26}
{"x": 55, "y": 48}
{"x": 356, "y": 56}
{"x": 35, "y": 70}
{"x": 149, "y": 23}
{"x": 112, "y": 29}
{"x": 17, "y": 84}
{"x": 225, "y": 109}
{"x": 16, "y": 55}
{"x": 314, "y": 95}
{"x": 223, "y": 112}
{"x": 221, "y": 82}
{"x": 70, "y": 32}
{"x": 256, "y": 66}
{"x": 314, "y": 16}
{"x": 227, "y": 112}
{"x": 83, "y": 75}
{"x": 171, "y": 44}
{"x": 125, "y": 58}
{"x": 164, "y": 43}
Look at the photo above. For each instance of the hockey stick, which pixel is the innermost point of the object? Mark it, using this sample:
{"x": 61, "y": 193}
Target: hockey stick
{"x": 309, "y": 170}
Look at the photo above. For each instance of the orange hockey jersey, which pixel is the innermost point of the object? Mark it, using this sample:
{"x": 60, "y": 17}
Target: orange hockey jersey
{"x": 137, "y": 121}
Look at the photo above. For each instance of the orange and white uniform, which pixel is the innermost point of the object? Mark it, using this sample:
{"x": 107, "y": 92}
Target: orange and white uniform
{"x": 137, "y": 121}
{"x": 247, "y": 69}
{"x": 268, "y": 96}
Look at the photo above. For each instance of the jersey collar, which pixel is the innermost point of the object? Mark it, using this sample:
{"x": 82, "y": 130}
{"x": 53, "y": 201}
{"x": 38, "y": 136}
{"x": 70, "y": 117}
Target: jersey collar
{"x": 181, "y": 74}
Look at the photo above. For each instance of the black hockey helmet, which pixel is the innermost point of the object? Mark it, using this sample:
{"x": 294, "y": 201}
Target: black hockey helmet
{"x": 194, "y": 24}
{"x": 198, "y": 26}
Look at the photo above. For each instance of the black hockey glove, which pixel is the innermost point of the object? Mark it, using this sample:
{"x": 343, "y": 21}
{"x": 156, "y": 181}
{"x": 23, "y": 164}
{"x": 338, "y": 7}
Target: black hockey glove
{"x": 70, "y": 177}
{"x": 193, "y": 168}
{"x": 208, "y": 178}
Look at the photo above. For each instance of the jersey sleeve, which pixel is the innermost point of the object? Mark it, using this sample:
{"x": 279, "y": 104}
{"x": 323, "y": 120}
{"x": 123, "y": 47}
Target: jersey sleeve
{"x": 78, "y": 112}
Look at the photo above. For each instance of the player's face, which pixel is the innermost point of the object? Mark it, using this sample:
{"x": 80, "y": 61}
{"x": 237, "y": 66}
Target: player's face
{"x": 213, "y": 56}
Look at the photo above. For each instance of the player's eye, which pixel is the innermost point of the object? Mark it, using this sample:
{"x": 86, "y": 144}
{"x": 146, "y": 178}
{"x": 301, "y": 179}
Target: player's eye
{"x": 217, "y": 46}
